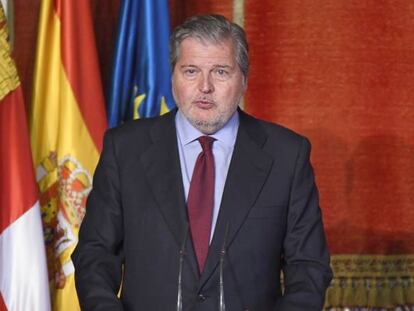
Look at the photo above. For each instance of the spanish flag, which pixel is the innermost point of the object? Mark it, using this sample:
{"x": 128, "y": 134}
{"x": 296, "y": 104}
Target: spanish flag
{"x": 66, "y": 127}
{"x": 23, "y": 271}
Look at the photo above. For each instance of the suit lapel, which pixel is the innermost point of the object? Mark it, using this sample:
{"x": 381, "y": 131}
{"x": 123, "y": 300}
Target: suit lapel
{"x": 162, "y": 167}
{"x": 248, "y": 171}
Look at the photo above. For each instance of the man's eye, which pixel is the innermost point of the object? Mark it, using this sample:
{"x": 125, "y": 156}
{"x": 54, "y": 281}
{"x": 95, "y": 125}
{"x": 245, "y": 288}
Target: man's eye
{"x": 190, "y": 72}
{"x": 222, "y": 72}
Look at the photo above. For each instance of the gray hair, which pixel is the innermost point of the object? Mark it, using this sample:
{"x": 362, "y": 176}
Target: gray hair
{"x": 215, "y": 29}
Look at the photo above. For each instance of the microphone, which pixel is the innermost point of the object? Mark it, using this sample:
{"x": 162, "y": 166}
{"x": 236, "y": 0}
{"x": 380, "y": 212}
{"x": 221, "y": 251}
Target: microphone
{"x": 180, "y": 272}
{"x": 222, "y": 305}
{"x": 223, "y": 253}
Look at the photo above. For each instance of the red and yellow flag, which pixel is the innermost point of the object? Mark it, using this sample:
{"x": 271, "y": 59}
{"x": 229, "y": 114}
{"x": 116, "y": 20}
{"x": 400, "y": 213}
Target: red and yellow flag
{"x": 23, "y": 271}
{"x": 66, "y": 127}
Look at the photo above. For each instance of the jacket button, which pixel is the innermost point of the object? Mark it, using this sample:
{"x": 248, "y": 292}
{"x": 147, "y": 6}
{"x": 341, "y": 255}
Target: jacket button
{"x": 201, "y": 297}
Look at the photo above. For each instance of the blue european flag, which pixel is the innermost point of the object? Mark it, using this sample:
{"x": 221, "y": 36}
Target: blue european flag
{"x": 141, "y": 79}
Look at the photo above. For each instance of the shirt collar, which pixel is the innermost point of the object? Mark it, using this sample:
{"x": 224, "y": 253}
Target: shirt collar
{"x": 188, "y": 133}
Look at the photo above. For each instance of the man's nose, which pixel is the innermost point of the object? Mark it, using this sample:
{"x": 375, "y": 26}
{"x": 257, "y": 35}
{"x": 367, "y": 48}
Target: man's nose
{"x": 206, "y": 85}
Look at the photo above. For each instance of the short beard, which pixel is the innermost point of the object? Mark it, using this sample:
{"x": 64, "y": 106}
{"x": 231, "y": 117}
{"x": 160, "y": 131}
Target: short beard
{"x": 207, "y": 127}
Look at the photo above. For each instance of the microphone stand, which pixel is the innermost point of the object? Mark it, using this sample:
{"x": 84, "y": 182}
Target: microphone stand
{"x": 222, "y": 305}
{"x": 180, "y": 273}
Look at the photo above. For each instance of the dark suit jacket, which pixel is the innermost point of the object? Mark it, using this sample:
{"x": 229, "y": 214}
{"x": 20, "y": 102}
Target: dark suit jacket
{"x": 136, "y": 222}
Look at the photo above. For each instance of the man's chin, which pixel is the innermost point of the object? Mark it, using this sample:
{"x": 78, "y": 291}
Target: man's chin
{"x": 207, "y": 127}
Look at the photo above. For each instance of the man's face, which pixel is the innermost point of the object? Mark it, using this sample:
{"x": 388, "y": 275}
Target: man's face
{"x": 207, "y": 83}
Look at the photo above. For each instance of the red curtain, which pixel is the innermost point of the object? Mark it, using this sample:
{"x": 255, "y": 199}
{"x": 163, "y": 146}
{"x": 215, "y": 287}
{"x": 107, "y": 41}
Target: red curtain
{"x": 342, "y": 73}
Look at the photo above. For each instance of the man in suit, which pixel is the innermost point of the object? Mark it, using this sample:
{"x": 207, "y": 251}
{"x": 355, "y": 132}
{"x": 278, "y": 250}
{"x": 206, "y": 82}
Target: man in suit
{"x": 179, "y": 222}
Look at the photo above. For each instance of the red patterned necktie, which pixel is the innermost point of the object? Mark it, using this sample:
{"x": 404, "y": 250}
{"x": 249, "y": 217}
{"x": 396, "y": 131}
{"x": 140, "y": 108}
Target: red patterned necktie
{"x": 201, "y": 199}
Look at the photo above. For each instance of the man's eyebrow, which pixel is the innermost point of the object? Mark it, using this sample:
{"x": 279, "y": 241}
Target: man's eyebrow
{"x": 188, "y": 65}
{"x": 222, "y": 66}
{"x": 215, "y": 66}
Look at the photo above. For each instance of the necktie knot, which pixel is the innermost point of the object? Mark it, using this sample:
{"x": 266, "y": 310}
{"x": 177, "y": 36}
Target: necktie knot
{"x": 206, "y": 142}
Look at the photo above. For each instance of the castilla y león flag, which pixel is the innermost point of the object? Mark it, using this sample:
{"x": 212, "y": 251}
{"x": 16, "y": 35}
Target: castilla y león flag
{"x": 66, "y": 127}
{"x": 23, "y": 272}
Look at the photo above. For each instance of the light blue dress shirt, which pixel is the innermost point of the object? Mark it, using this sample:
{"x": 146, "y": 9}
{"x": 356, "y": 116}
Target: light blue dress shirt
{"x": 189, "y": 148}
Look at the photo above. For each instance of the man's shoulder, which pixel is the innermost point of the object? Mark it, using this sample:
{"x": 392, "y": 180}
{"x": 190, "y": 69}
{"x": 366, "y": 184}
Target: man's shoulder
{"x": 273, "y": 131}
{"x": 141, "y": 129}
